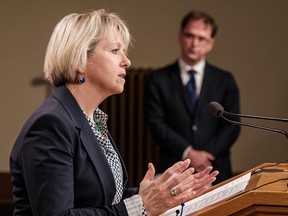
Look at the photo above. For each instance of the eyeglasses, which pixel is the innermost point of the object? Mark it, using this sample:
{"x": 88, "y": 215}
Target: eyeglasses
{"x": 201, "y": 40}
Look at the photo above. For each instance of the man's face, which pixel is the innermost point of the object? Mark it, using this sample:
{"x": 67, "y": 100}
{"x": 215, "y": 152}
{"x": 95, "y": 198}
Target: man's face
{"x": 195, "y": 41}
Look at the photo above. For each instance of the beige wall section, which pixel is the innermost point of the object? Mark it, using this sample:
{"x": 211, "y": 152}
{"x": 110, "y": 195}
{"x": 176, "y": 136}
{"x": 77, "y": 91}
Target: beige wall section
{"x": 252, "y": 43}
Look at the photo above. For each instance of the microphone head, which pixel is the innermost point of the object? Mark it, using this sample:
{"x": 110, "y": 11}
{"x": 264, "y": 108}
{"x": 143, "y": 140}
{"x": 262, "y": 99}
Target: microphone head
{"x": 216, "y": 109}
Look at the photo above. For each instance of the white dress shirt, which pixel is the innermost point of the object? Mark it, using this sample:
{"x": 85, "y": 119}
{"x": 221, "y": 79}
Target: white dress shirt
{"x": 199, "y": 69}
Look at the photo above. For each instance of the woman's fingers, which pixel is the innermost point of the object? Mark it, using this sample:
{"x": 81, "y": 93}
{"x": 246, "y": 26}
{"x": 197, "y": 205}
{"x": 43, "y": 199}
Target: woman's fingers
{"x": 149, "y": 176}
{"x": 205, "y": 181}
{"x": 178, "y": 184}
{"x": 174, "y": 171}
{"x": 204, "y": 172}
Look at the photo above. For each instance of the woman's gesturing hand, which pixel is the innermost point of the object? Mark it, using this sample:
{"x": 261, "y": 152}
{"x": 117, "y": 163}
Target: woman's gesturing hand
{"x": 176, "y": 185}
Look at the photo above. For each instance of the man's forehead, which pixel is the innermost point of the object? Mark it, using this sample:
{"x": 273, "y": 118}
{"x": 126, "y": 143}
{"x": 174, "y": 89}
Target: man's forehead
{"x": 198, "y": 25}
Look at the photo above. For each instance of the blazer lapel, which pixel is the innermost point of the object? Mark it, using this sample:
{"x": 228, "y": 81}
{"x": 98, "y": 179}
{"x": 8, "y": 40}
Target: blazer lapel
{"x": 125, "y": 173}
{"x": 89, "y": 140}
{"x": 175, "y": 75}
{"x": 202, "y": 99}
{"x": 99, "y": 160}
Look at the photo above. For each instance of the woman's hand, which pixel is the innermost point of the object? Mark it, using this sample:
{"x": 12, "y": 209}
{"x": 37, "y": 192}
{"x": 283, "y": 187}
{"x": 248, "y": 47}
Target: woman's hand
{"x": 157, "y": 194}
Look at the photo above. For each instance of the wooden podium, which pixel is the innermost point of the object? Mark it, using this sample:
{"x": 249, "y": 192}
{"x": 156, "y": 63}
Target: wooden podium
{"x": 265, "y": 194}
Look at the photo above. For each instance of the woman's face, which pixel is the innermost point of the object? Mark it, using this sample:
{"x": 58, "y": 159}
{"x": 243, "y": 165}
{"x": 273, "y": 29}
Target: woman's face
{"x": 106, "y": 67}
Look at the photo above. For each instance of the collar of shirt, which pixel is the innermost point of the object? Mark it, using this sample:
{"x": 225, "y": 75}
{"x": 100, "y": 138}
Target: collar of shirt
{"x": 199, "y": 68}
{"x": 99, "y": 121}
{"x": 100, "y": 115}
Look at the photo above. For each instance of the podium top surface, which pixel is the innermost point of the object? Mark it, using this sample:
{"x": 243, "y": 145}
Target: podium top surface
{"x": 266, "y": 191}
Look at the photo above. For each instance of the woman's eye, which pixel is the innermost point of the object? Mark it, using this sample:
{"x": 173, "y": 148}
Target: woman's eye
{"x": 115, "y": 51}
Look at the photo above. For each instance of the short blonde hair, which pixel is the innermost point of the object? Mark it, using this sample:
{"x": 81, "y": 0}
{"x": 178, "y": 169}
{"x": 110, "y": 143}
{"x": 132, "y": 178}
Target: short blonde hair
{"x": 74, "y": 39}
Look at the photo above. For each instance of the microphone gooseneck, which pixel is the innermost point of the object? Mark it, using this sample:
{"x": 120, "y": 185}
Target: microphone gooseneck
{"x": 215, "y": 107}
{"x": 217, "y": 110}
{"x": 256, "y": 126}
{"x": 256, "y": 117}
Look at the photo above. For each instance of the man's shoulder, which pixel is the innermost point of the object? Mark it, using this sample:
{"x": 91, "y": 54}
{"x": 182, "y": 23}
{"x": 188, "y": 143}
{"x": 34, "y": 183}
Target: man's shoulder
{"x": 217, "y": 71}
{"x": 210, "y": 66}
{"x": 170, "y": 68}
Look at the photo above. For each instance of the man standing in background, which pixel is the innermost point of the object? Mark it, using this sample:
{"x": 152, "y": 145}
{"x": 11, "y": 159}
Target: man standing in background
{"x": 178, "y": 99}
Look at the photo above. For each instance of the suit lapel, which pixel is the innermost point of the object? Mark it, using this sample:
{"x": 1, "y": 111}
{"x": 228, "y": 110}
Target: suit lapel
{"x": 175, "y": 75}
{"x": 99, "y": 161}
{"x": 125, "y": 174}
{"x": 89, "y": 141}
{"x": 202, "y": 99}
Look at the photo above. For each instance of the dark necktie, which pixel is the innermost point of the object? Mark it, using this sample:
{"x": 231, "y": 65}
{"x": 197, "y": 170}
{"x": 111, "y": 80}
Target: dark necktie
{"x": 191, "y": 87}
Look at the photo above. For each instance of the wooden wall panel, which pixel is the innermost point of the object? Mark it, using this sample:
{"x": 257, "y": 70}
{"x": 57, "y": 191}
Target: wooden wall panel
{"x": 6, "y": 204}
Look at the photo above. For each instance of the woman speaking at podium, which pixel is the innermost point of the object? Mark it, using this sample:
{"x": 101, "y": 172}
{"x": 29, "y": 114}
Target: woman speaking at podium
{"x": 64, "y": 161}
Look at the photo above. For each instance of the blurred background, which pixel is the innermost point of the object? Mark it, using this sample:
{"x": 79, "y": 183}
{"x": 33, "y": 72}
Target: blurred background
{"x": 251, "y": 43}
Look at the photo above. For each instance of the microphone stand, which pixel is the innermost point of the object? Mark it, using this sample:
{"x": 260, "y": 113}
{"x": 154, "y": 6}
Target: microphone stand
{"x": 254, "y": 126}
{"x": 255, "y": 116}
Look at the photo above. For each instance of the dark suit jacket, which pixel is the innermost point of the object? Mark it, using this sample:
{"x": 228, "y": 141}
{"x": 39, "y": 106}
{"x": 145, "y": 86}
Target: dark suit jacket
{"x": 58, "y": 167}
{"x": 175, "y": 125}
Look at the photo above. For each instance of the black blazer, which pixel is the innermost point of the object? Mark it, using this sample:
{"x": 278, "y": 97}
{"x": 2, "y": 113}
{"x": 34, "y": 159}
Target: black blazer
{"x": 58, "y": 167}
{"x": 175, "y": 125}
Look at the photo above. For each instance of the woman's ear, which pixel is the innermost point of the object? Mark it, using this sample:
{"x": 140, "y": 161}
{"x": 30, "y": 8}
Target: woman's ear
{"x": 81, "y": 69}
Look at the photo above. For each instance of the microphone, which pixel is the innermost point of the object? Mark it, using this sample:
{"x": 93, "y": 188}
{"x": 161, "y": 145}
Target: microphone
{"x": 217, "y": 110}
